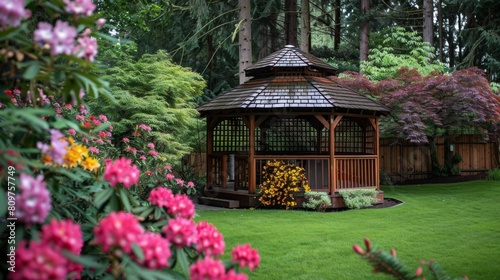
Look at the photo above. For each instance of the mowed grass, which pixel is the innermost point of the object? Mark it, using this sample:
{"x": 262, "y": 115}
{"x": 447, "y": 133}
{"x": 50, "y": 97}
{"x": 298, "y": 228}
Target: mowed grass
{"x": 458, "y": 225}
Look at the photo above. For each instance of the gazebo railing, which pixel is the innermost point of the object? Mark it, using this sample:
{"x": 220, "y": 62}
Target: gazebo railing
{"x": 355, "y": 171}
{"x": 316, "y": 169}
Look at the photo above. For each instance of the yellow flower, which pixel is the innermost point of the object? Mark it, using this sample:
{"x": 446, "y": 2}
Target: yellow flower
{"x": 91, "y": 164}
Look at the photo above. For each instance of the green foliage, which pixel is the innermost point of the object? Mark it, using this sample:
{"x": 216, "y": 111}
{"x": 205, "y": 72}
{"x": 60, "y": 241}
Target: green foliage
{"x": 154, "y": 91}
{"x": 358, "y": 199}
{"x": 398, "y": 48}
{"x": 388, "y": 263}
{"x": 318, "y": 201}
{"x": 494, "y": 174}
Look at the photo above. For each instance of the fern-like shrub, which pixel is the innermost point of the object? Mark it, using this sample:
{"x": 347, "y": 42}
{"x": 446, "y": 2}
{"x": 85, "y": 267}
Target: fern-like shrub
{"x": 280, "y": 184}
{"x": 494, "y": 174}
{"x": 357, "y": 199}
{"x": 318, "y": 201}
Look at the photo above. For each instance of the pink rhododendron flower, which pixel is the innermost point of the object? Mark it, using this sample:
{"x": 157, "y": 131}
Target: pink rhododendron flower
{"x": 57, "y": 148}
{"x": 126, "y": 140}
{"x": 118, "y": 230}
{"x": 96, "y": 122}
{"x": 190, "y": 184}
{"x": 169, "y": 176}
{"x": 161, "y": 197}
{"x": 145, "y": 127}
{"x": 79, "y": 7}
{"x": 210, "y": 240}
{"x": 181, "y": 206}
{"x": 142, "y": 157}
{"x": 179, "y": 181}
{"x": 181, "y": 232}
{"x": 59, "y": 38}
{"x": 245, "y": 256}
{"x": 151, "y": 145}
{"x": 71, "y": 131}
{"x": 100, "y": 22}
{"x": 68, "y": 106}
{"x": 102, "y": 134}
{"x": 153, "y": 153}
{"x": 12, "y": 12}
{"x": 63, "y": 235}
{"x": 207, "y": 269}
{"x": 38, "y": 261}
{"x": 231, "y": 275}
{"x": 121, "y": 171}
{"x": 168, "y": 167}
{"x": 103, "y": 118}
{"x": 79, "y": 117}
{"x": 33, "y": 202}
{"x": 94, "y": 150}
{"x": 156, "y": 251}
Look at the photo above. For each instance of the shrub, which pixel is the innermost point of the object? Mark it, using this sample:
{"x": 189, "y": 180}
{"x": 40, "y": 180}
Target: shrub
{"x": 281, "y": 181}
{"x": 357, "y": 199}
{"x": 385, "y": 179}
{"x": 317, "y": 201}
{"x": 494, "y": 174}
{"x": 73, "y": 197}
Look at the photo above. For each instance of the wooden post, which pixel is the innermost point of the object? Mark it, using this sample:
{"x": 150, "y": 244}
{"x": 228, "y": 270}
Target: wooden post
{"x": 251, "y": 153}
{"x": 210, "y": 134}
{"x": 333, "y": 168}
{"x": 224, "y": 171}
{"x": 377, "y": 152}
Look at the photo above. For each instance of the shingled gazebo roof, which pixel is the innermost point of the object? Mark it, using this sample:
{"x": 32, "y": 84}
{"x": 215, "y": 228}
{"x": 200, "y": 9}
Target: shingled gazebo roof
{"x": 293, "y": 80}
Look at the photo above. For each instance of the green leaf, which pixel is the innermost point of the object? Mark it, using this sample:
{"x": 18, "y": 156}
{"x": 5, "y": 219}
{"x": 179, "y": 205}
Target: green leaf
{"x": 103, "y": 197}
{"x": 138, "y": 251}
{"x": 183, "y": 260}
{"x": 86, "y": 261}
{"x": 3, "y": 203}
{"x": 32, "y": 70}
{"x": 124, "y": 198}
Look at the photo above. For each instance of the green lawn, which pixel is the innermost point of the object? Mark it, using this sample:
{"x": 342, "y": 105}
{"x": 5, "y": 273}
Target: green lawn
{"x": 456, "y": 224}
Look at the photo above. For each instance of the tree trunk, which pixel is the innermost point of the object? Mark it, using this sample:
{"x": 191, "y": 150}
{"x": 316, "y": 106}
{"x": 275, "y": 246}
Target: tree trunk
{"x": 428, "y": 34}
{"x": 336, "y": 26}
{"x": 365, "y": 31}
{"x": 441, "y": 37}
{"x": 436, "y": 169}
{"x": 291, "y": 22}
{"x": 245, "y": 39}
{"x": 305, "y": 30}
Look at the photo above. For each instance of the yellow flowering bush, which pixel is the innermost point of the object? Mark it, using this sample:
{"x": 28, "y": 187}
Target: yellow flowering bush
{"x": 281, "y": 182}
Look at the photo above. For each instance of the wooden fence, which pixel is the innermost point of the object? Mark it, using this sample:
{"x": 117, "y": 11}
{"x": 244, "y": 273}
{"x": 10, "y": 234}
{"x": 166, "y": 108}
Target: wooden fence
{"x": 406, "y": 161}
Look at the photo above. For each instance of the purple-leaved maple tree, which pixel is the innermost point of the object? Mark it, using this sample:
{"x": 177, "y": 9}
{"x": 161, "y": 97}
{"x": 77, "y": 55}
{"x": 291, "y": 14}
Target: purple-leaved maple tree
{"x": 425, "y": 107}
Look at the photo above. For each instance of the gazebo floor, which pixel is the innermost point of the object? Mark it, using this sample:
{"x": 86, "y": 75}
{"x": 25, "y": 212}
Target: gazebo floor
{"x": 226, "y": 197}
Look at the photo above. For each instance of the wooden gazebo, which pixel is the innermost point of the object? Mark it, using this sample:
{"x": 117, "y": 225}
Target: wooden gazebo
{"x": 290, "y": 110}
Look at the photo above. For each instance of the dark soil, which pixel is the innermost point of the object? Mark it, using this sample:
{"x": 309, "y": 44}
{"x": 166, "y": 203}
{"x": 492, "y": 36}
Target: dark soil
{"x": 388, "y": 202}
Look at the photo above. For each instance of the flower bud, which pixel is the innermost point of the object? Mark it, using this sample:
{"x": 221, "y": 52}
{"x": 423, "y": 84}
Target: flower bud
{"x": 393, "y": 252}
{"x": 419, "y": 271}
{"x": 358, "y": 250}
{"x": 367, "y": 244}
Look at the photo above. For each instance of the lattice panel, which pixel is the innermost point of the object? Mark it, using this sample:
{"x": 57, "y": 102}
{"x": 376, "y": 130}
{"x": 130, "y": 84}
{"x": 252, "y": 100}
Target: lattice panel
{"x": 230, "y": 135}
{"x": 350, "y": 137}
{"x": 284, "y": 135}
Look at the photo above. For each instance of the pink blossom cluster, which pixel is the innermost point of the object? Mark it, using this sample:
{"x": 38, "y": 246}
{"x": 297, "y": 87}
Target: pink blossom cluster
{"x": 43, "y": 259}
{"x": 60, "y": 39}
{"x": 33, "y": 202}
{"x": 210, "y": 269}
{"x": 121, "y": 171}
{"x": 118, "y": 230}
{"x": 57, "y": 148}
{"x": 178, "y": 205}
{"x": 210, "y": 240}
{"x": 245, "y": 256}
{"x": 145, "y": 127}
{"x": 181, "y": 232}
{"x": 79, "y": 7}
{"x": 156, "y": 251}
{"x": 12, "y": 12}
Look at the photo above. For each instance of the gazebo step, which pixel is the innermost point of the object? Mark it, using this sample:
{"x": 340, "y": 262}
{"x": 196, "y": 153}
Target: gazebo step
{"x": 212, "y": 201}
